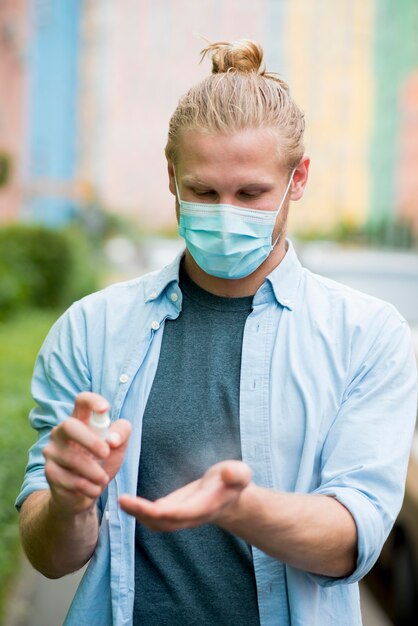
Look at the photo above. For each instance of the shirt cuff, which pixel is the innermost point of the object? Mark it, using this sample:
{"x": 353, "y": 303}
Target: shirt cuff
{"x": 370, "y": 533}
{"x": 35, "y": 481}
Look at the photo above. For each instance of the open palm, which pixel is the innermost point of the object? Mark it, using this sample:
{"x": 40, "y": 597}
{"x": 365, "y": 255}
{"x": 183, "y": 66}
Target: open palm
{"x": 199, "y": 502}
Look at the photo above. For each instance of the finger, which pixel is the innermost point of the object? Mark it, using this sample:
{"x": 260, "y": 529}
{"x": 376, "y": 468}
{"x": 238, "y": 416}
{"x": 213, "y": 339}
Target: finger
{"x": 149, "y": 514}
{"x": 144, "y": 510}
{"x": 60, "y": 478}
{"x": 119, "y": 433}
{"x": 198, "y": 510}
{"x": 79, "y": 463}
{"x": 86, "y": 402}
{"x": 73, "y": 430}
{"x": 136, "y": 505}
{"x": 159, "y": 525}
{"x": 161, "y": 507}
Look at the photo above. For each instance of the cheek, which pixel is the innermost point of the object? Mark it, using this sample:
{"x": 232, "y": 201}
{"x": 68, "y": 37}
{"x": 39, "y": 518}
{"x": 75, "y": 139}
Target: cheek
{"x": 269, "y": 202}
{"x": 281, "y": 220}
{"x": 271, "y": 205}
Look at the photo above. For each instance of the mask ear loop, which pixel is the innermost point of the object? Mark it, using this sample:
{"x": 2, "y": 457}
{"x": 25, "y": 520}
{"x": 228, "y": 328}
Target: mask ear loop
{"x": 177, "y": 189}
{"x": 282, "y": 202}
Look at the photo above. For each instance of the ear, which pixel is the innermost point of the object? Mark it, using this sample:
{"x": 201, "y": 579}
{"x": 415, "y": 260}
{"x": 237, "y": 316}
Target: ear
{"x": 171, "y": 183}
{"x": 300, "y": 178}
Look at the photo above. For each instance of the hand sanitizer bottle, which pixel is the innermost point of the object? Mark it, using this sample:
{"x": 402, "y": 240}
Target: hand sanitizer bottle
{"x": 100, "y": 423}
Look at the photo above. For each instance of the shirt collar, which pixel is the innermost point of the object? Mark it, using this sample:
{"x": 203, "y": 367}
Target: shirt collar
{"x": 283, "y": 280}
{"x": 161, "y": 280}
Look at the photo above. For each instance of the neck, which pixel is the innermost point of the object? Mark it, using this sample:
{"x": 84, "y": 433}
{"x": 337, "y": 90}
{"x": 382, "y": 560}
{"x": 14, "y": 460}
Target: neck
{"x": 240, "y": 287}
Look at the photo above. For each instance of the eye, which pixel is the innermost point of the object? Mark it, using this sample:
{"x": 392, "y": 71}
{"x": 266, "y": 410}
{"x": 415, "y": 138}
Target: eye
{"x": 250, "y": 194}
{"x": 202, "y": 193}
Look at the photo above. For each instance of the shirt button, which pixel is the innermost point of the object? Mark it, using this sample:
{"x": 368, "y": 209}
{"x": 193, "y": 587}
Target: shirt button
{"x": 107, "y": 516}
{"x": 153, "y": 294}
{"x": 174, "y": 297}
{"x": 155, "y": 325}
{"x": 124, "y": 378}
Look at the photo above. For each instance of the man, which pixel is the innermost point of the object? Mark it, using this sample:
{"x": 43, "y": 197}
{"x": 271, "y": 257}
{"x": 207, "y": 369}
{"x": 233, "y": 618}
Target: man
{"x": 262, "y": 415}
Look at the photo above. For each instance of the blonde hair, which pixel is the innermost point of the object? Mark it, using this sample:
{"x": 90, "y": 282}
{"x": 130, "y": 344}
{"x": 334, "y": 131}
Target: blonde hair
{"x": 239, "y": 94}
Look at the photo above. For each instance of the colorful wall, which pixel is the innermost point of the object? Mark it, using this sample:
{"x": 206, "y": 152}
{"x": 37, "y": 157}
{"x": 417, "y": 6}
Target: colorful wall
{"x": 102, "y": 79}
{"x": 395, "y": 133}
{"x": 331, "y": 71}
{"x": 13, "y": 36}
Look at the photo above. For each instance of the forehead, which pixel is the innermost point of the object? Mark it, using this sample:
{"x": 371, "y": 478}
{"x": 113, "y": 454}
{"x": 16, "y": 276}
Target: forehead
{"x": 250, "y": 152}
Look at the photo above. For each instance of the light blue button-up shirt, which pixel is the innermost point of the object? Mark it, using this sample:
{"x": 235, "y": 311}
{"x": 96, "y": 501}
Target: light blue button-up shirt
{"x": 327, "y": 405}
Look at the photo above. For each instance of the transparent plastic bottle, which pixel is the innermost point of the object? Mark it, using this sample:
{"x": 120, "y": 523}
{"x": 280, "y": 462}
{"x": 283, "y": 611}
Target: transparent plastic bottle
{"x": 100, "y": 423}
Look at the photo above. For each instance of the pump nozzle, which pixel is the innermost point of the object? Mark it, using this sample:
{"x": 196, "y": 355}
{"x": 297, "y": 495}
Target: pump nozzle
{"x": 99, "y": 423}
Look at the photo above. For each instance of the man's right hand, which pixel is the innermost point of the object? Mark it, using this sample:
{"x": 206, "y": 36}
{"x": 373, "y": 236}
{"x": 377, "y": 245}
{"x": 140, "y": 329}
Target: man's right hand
{"x": 79, "y": 464}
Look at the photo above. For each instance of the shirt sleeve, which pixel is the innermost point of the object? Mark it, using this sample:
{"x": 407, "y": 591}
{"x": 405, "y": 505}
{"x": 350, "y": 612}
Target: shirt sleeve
{"x": 61, "y": 372}
{"x": 366, "y": 452}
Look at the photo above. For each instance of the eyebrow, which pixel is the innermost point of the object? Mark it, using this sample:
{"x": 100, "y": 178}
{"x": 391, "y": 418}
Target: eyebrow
{"x": 193, "y": 180}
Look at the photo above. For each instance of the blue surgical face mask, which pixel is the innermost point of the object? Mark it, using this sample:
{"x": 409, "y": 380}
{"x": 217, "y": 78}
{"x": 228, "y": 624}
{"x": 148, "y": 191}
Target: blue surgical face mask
{"x": 226, "y": 240}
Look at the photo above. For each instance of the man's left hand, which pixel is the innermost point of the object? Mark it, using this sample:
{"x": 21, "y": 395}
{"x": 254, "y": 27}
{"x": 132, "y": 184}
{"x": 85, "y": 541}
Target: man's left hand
{"x": 201, "y": 502}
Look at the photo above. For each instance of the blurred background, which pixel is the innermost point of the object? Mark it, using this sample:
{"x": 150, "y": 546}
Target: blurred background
{"x": 87, "y": 88}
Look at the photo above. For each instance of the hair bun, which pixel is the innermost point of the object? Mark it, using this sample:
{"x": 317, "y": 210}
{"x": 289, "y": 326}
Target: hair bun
{"x": 240, "y": 56}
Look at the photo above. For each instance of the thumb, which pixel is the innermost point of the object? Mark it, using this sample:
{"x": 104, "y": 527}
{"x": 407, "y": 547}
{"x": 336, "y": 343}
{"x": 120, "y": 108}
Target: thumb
{"x": 86, "y": 402}
{"x": 236, "y": 474}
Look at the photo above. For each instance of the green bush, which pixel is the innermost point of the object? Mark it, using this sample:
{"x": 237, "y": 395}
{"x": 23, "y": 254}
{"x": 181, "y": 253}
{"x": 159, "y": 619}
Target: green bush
{"x": 87, "y": 265}
{"x": 44, "y": 268}
{"x": 5, "y": 168}
{"x": 20, "y": 339}
{"x": 390, "y": 232}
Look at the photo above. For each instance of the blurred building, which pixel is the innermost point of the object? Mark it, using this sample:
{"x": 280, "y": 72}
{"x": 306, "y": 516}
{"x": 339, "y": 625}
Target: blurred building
{"x": 52, "y": 100}
{"x": 91, "y": 103}
{"x": 394, "y": 142}
{"x": 407, "y": 168}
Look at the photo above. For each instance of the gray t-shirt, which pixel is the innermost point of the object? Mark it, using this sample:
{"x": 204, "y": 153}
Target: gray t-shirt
{"x": 202, "y": 576}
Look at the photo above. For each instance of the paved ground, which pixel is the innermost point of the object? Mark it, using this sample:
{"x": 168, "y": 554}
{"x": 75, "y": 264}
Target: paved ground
{"x": 41, "y": 602}
{"x": 372, "y": 613}
{"x": 38, "y": 601}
